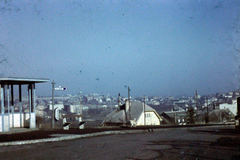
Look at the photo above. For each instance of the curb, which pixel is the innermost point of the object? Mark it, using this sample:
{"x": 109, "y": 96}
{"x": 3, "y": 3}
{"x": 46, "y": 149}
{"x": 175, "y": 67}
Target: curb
{"x": 69, "y": 137}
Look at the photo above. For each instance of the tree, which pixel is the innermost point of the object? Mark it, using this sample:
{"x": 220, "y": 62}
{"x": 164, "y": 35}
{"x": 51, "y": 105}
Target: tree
{"x": 190, "y": 115}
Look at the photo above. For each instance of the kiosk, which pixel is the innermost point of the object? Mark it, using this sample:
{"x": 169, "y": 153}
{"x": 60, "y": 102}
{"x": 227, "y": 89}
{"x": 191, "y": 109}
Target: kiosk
{"x": 10, "y": 119}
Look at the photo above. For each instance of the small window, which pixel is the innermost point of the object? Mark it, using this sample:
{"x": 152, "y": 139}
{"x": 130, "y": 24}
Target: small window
{"x": 147, "y": 115}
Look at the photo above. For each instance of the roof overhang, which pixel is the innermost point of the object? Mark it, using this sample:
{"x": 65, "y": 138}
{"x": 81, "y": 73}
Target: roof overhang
{"x": 17, "y": 80}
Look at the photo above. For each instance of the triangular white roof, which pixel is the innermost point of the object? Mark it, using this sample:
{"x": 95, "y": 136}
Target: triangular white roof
{"x": 118, "y": 116}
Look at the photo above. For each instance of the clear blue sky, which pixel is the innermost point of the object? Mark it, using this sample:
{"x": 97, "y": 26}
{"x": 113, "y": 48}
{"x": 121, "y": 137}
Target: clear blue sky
{"x": 158, "y": 47}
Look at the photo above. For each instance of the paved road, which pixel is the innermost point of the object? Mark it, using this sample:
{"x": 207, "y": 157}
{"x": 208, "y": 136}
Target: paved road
{"x": 212, "y": 142}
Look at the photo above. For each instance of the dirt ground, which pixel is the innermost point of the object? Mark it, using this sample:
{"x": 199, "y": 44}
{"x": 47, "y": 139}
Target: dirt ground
{"x": 40, "y": 134}
{"x": 27, "y": 134}
{"x": 210, "y": 142}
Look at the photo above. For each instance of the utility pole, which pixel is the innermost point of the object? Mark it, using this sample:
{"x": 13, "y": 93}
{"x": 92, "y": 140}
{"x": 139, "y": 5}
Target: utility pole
{"x": 119, "y": 100}
{"x": 80, "y": 119}
{"x": 196, "y": 99}
{"x": 207, "y": 110}
{"x": 53, "y": 83}
{"x": 144, "y": 110}
{"x": 129, "y": 103}
{"x": 80, "y": 103}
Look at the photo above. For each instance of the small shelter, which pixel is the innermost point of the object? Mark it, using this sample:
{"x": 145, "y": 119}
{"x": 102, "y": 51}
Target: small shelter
{"x": 135, "y": 113}
{"x": 10, "y": 119}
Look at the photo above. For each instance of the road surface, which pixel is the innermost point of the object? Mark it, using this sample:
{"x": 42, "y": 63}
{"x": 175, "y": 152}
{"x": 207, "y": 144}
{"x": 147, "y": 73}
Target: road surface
{"x": 212, "y": 142}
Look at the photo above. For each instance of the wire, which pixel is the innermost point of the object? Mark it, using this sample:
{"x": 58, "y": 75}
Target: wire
{"x": 19, "y": 59}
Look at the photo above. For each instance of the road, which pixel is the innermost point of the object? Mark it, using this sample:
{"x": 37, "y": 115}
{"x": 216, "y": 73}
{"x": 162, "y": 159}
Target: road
{"x": 212, "y": 142}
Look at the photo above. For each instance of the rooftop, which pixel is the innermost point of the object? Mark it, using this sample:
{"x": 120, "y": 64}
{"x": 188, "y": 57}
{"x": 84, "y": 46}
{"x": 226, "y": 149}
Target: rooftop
{"x": 18, "y": 80}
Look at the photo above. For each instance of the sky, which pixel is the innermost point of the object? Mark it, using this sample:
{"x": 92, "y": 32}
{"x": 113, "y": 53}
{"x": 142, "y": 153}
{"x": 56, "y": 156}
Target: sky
{"x": 157, "y": 47}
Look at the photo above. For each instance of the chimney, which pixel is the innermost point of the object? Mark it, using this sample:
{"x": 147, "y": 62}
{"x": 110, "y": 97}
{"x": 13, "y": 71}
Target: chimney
{"x": 127, "y": 105}
{"x": 126, "y": 109}
{"x": 119, "y": 100}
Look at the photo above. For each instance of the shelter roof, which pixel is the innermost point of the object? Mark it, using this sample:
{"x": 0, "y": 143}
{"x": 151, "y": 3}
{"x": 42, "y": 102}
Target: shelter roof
{"x": 18, "y": 80}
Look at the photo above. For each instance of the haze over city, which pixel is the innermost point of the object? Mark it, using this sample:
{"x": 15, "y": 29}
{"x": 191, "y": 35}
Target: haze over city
{"x": 156, "y": 47}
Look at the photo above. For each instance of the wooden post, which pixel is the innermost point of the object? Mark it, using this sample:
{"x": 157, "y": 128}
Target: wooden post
{"x": 53, "y": 83}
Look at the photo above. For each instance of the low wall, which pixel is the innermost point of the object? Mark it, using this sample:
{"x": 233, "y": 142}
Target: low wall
{"x": 4, "y": 127}
{"x": 15, "y": 120}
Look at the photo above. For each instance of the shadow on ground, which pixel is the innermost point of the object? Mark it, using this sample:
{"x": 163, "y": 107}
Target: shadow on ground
{"x": 223, "y": 148}
{"x": 227, "y": 146}
{"x": 215, "y": 131}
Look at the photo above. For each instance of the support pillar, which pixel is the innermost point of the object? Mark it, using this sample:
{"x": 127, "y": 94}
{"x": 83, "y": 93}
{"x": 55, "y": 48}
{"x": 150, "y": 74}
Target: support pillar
{"x": 8, "y": 101}
{"x": 30, "y": 104}
{"x": 31, "y": 97}
{"x": 12, "y": 105}
{"x": 4, "y": 125}
{"x": 2, "y": 107}
{"x": 34, "y": 98}
{"x": 20, "y": 104}
{"x": 33, "y": 116}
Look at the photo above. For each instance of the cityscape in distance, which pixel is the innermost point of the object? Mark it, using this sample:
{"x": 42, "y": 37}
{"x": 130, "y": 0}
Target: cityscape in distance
{"x": 220, "y": 107}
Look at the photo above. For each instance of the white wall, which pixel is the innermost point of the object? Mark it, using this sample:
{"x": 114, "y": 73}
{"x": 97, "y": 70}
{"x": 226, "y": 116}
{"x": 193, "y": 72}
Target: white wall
{"x": 6, "y": 123}
{"x": 231, "y": 107}
{"x": 32, "y": 121}
{"x": 25, "y": 120}
{"x": 17, "y": 121}
{"x": 150, "y": 119}
{"x": 59, "y": 106}
{"x": 75, "y": 108}
{"x": 140, "y": 121}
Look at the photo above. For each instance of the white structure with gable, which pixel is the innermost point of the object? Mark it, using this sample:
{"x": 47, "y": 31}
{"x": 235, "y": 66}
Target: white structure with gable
{"x": 136, "y": 113}
{"x": 232, "y": 107}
